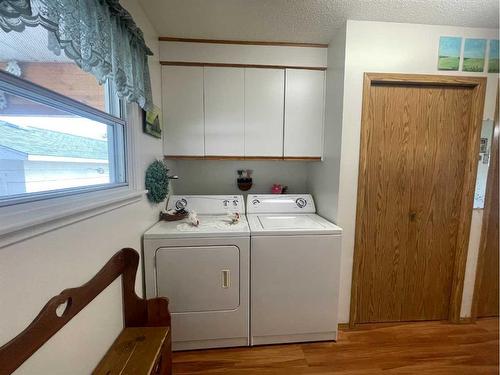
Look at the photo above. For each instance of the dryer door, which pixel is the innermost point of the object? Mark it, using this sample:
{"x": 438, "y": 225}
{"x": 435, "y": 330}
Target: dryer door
{"x": 199, "y": 278}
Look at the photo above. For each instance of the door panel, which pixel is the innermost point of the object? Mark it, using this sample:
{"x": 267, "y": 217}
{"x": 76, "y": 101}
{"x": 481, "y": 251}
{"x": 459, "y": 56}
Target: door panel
{"x": 224, "y": 111}
{"x": 293, "y": 281}
{"x": 387, "y": 196}
{"x": 202, "y": 278}
{"x": 304, "y": 113}
{"x": 416, "y": 167}
{"x": 436, "y": 185}
{"x": 264, "y": 102}
{"x": 182, "y": 93}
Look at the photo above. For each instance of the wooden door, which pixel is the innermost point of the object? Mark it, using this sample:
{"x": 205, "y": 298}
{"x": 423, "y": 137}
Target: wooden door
{"x": 264, "y": 104}
{"x": 416, "y": 181}
{"x": 486, "y": 291}
{"x": 304, "y": 113}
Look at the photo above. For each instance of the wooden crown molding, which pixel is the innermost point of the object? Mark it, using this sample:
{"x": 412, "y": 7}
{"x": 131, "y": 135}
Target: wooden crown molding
{"x": 231, "y": 65}
{"x": 241, "y": 42}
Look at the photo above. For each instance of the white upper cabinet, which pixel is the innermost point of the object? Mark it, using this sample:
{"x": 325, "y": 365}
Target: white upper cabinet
{"x": 243, "y": 112}
{"x": 224, "y": 111}
{"x": 182, "y": 96}
{"x": 304, "y": 113}
{"x": 264, "y": 102}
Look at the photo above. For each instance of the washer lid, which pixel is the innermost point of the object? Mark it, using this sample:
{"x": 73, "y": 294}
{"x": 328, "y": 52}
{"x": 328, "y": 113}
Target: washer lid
{"x": 289, "y": 222}
{"x": 210, "y": 226}
{"x": 282, "y": 224}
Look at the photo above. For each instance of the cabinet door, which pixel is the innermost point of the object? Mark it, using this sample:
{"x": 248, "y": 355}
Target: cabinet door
{"x": 264, "y": 101}
{"x": 182, "y": 88}
{"x": 224, "y": 111}
{"x": 304, "y": 113}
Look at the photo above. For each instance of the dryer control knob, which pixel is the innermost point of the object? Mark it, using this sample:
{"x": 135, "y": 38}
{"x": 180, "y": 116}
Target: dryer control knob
{"x": 181, "y": 204}
{"x": 255, "y": 201}
{"x": 301, "y": 202}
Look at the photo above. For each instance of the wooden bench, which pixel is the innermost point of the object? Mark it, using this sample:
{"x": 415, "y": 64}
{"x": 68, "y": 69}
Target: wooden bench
{"x": 143, "y": 347}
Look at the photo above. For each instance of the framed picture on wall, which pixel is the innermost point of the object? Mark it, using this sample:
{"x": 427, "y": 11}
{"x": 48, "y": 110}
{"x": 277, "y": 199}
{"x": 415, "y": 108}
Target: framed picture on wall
{"x": 474, "y": 54}
{"x": 493, "y": 57}
{"x": 152, "y": 122}
{"x": 449, "y": 52}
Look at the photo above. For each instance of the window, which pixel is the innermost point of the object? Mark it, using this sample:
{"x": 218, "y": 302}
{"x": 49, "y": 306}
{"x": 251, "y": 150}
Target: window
{"x": 52, "y": 145}
{"x": 60, "y": 130}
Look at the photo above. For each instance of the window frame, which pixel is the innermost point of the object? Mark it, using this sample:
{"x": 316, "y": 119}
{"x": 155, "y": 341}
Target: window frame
{"x": 22, "y": 221}
{"x": 34, "y": 92}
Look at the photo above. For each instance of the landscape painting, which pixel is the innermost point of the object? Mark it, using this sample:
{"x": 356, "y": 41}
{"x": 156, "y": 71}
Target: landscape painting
{"x": 449, "y": 52}
{"x": 152, "y": 122}
{"x": 493, "y": 59}
{"x": 474, "y": 51}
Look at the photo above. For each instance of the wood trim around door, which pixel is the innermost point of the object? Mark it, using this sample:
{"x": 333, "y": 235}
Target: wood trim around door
{"x": 487, "y": 209}
{"x": 478, "y": 85}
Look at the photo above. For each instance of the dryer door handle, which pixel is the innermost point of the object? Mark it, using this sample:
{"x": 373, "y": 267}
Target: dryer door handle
{"x": 225, "y": 278}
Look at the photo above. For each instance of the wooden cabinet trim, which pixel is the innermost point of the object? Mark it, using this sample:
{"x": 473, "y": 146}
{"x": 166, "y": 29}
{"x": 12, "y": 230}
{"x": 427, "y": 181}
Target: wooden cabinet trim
{"x": 221, "y": 157}
{"x": 231, "y": 65}
{"x": 241, "y": 42}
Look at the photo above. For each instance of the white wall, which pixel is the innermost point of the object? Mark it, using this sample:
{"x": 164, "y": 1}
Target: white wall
{"x": 470, "y": 269}
{"x": 242, "y": 54}
{"x": 219, "y": 176}
{"x": 395, "y": 48}
{"x": 34, "y": 270}
{"x": 324, "y": 177}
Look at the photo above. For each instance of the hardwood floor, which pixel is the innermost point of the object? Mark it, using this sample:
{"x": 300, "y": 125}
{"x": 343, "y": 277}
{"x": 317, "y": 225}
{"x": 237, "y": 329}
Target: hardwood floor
{"x": 407, "y": 348}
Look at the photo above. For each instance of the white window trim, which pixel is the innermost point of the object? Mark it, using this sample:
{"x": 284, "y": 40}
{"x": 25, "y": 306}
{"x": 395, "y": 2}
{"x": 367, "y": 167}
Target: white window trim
{"x": 22, "y": 221}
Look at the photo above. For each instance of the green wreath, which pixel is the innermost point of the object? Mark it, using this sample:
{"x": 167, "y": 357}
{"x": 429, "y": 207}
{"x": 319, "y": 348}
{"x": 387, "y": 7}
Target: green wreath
{"x": 157, "y": 181}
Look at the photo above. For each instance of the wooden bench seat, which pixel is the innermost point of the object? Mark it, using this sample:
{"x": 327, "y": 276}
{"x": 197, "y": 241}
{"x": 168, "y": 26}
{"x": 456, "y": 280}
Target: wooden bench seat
{"x": 143, "y": 347}
{"x": 137, "y": 350}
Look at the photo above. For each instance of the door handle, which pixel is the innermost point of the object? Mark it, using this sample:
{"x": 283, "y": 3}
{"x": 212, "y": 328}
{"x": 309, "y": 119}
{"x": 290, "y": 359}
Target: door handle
{"x": 225, "y": 279}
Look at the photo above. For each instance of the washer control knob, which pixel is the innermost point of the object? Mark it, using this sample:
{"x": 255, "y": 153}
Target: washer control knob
{"x": 181, "y": 204}
{"x": 235, "y": 202}
{"x": 225, "y": 202}
{"x": 301, "y": 202}
{"x": 255, "y": 201}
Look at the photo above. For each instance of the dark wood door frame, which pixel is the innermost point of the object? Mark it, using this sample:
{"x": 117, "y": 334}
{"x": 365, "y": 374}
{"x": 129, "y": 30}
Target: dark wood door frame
{"x": 486, "y": 211}
{"x": 478, "y": 85}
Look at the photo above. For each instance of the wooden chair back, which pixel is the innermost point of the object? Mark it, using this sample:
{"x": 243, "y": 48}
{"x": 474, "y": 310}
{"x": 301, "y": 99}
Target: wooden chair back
{"x": 137, "y": 312}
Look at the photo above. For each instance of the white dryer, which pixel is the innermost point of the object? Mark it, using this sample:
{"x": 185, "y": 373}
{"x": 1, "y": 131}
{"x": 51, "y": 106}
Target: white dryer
{"x": 204, "y": 271}
{"x": 295, "y": 266}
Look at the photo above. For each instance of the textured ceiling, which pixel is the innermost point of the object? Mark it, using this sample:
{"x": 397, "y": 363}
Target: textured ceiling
{"x": 305, "y": 20}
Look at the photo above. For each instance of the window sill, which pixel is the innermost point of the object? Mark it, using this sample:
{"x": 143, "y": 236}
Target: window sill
{"x": 23, "y": 221}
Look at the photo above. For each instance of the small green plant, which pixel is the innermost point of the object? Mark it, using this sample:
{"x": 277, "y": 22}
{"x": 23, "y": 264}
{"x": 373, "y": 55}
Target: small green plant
{"x": 157, "y": 181}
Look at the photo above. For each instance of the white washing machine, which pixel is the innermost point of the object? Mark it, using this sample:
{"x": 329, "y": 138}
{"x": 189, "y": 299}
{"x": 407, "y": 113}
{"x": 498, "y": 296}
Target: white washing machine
{"x": 295, "y": 267}
{"x": 204, "y": 271}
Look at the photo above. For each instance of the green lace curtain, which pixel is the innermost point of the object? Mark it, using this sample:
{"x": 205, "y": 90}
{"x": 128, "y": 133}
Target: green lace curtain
{"x": 99, "y": 35}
